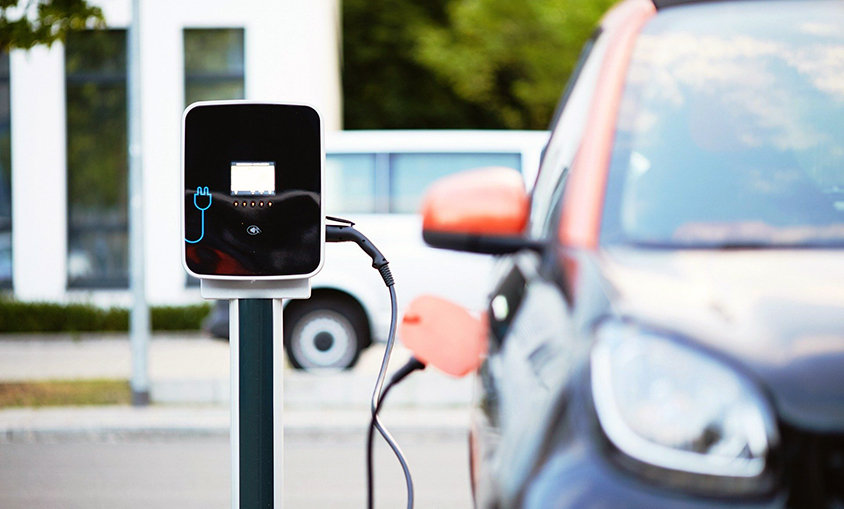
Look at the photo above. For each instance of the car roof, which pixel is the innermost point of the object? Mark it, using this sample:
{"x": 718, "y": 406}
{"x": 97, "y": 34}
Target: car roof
{"x": 396, "y": 141}
{"x": 391, "y": 141}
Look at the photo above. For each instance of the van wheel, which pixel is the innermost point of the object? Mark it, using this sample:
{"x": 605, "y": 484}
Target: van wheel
{"x": 326, "y": 333}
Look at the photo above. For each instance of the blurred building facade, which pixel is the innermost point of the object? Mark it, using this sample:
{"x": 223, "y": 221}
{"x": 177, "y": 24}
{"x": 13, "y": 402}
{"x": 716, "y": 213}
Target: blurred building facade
{"x": 63, "y": 134}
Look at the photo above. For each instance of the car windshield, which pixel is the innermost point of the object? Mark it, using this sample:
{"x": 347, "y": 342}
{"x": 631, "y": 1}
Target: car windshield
{"x": 731, "y": 129}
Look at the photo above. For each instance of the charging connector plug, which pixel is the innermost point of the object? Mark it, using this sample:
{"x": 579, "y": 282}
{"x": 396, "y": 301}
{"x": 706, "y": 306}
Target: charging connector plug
{"x": 347, "y": 233}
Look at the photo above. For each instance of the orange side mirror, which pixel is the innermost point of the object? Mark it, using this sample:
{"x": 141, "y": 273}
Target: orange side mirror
{"x": 480, "y": 211}
{"x": 443, "y": 334}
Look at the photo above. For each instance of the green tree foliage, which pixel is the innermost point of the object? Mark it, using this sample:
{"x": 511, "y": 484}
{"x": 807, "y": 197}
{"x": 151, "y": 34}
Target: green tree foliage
{"x": 511, "y": 56}
{"x": 33, "y": 22}
{"x": 384, "y": 86}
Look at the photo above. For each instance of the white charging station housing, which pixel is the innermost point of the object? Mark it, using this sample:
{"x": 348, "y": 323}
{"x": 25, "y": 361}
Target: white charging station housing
{"x": 252, "y": 209}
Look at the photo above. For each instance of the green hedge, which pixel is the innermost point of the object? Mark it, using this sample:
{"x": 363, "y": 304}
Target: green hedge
{"x": 48, "y": 317}
{"x": 179, "y": 317}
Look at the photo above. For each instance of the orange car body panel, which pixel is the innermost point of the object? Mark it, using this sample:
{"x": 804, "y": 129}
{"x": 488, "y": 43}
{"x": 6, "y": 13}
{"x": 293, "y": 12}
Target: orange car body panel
{"x": 581, "y": 215}
{"x": 445, "y": 335}
{"x": 487, "y": 201}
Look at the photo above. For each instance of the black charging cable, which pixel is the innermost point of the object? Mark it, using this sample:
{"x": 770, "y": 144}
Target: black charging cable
{"x": 412, "y": 365}
{"x": 345, "y": 232}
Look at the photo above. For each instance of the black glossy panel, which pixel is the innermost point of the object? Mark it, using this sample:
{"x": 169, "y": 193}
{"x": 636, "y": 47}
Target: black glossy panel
{"x": 289, "y": 222}
{"x": 512, "y": 288}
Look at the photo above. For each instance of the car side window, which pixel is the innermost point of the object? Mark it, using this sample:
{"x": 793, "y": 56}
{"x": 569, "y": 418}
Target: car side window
{"x": 412, "y": 173}
{"x": 349, "y": 183}
{"x": 568, "y": 125}
{"x": 355, "y": 184}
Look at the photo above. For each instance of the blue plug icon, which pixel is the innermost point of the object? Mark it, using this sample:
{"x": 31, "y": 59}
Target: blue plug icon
{"x": 201, "y": 191}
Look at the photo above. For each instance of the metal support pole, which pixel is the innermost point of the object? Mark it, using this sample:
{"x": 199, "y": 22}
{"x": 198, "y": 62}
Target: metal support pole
{"x": 139, "y": 318}
{"x": 257, "y": 440}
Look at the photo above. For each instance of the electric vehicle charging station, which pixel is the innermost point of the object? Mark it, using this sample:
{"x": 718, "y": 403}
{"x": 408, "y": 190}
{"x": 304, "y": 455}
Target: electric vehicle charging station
{"x": 253, "y": 232}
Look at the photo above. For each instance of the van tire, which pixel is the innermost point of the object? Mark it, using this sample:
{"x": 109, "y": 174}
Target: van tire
{"x": 326, "y": 333}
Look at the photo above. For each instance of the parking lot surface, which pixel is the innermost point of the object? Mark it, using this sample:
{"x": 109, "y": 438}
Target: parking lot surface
{"x": 321, "y": 472}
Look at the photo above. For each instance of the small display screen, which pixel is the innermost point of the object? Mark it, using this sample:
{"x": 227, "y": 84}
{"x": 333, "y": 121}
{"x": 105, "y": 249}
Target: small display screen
{"x": 249, "y": 179}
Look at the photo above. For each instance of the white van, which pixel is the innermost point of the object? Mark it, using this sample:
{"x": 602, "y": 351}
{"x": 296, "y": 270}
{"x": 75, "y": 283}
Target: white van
{"x": 377, "y": 179}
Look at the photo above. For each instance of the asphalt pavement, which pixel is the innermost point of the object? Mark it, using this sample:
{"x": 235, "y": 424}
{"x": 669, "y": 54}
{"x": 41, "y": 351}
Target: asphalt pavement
{"x": 185, "y": 472}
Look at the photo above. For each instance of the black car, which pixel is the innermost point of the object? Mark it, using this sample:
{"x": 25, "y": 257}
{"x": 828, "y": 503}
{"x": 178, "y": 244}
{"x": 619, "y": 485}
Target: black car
{"x": 667, "y": 323}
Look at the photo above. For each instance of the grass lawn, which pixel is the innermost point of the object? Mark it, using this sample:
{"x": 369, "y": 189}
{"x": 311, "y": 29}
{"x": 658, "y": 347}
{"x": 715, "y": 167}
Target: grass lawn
{"x": 65, "y": 393}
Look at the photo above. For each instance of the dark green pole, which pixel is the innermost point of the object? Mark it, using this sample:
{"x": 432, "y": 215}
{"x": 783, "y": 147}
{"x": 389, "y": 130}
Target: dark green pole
{"x": 255, "y": 348}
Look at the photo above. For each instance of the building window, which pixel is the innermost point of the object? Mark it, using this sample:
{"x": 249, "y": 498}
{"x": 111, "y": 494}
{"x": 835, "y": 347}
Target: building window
{"x": 213, "y": 64}
{"x": 5, "y": 175}
{"x": 214, "y": 69}
{"x": 97, "y": 159}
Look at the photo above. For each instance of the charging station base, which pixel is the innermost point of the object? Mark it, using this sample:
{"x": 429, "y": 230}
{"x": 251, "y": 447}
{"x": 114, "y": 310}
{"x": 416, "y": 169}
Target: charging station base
{"x": 222, "y": 289}
{"x": 257, "y": 385}
{"x": 257, "y": 411}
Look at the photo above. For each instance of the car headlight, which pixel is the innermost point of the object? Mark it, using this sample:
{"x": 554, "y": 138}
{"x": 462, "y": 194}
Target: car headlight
{"x": 674, "y": 408}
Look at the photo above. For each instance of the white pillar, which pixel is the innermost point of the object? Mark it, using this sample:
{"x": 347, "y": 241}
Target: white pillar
{"x": 162, "y": 89}
{"x": 304, "y": 64}
{"x": 39, "y": 174}
{"x": 139, "y": 320}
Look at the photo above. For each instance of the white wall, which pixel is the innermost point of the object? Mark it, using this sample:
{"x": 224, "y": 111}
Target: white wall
{"x": 39, "y": 199}
{"x": 292, "y": 54}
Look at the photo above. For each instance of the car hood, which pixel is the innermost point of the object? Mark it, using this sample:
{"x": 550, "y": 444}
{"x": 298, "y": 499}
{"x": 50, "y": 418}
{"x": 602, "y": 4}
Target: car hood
{"x": 780, "y": 313}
